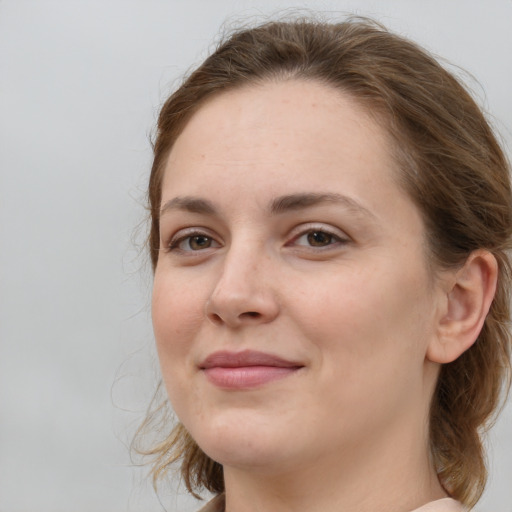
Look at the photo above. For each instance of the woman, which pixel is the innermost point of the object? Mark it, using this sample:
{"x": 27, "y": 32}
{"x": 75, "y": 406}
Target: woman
{"x": 330, "y": 219}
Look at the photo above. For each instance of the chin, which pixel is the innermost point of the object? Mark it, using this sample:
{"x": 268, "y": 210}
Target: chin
{"x": 242, "y": 443}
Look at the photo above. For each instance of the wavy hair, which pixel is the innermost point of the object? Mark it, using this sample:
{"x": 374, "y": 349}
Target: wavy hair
{"x": 450, "y": 164}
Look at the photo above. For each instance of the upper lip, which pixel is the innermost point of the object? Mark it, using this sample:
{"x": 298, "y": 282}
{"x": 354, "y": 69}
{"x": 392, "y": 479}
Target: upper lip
{"x": 226, "y": 359}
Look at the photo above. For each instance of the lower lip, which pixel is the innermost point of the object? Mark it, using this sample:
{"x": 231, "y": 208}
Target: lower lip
{"x": 246, "y": 376}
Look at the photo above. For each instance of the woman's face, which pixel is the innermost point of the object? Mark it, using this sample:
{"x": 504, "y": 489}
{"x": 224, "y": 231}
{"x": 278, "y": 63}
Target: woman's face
{"x": 292, "y": 304}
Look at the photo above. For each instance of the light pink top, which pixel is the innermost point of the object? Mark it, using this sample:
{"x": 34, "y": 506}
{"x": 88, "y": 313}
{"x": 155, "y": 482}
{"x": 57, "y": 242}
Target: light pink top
{"x": 444, "y": 505}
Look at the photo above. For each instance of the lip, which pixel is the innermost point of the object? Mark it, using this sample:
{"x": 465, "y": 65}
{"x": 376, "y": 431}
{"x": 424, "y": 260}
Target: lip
{"x": 247, "y": 369}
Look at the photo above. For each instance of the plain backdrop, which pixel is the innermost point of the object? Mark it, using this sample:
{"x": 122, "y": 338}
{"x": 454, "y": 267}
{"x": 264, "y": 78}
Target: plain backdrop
{"x": 81, "y": 82}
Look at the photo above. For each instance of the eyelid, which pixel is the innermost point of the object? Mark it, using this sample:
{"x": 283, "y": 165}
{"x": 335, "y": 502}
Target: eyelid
{"x": 304, "y": 229}
{"x": 182, "y": 234}
{"x": 173, "y": 242}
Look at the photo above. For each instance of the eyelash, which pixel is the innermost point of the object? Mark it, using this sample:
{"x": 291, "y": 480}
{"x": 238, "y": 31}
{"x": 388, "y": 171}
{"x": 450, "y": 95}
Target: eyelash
{"x": 334, "y": 239}
{"x": 174, "y": 244}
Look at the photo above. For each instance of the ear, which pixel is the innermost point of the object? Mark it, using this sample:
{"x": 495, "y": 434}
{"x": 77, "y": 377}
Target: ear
{"x": 469, "y": 294}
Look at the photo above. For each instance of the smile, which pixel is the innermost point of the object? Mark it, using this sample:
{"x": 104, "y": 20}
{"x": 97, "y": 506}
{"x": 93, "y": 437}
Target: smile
{"x": 247, "y": 369}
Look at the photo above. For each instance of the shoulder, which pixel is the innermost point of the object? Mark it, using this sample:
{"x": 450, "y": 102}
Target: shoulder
{"x": 217, "y": 504}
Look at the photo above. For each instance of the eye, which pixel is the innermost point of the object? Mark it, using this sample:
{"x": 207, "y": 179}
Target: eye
{"x": 318, "y": 238}
{"x": 192, "y": 242}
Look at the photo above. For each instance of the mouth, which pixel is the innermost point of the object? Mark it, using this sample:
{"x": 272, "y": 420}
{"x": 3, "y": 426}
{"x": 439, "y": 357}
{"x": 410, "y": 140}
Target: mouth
{"x": 247, "y": 369}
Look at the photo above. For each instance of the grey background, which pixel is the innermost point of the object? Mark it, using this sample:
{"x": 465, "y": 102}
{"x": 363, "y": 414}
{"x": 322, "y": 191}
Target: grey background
{"x": 80, "y": 87}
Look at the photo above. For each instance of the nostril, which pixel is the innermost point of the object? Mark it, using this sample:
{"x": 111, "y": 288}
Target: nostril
{"x": 251, "y": 314}
{"x": 216, "y": 319}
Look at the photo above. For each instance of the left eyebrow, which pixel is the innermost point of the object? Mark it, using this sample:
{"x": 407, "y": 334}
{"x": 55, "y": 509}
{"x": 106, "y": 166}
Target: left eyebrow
{"x": 293, "y": 202}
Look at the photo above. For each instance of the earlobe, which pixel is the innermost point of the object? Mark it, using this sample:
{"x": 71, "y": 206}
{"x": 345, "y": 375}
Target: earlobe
{"x": 468, "y": 299}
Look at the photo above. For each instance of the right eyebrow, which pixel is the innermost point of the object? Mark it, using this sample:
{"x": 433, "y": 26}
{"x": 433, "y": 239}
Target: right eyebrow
{"x": 189, "y": 204}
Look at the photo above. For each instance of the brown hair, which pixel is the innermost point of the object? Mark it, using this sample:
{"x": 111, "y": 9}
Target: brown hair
{"x": 451, "y": 166}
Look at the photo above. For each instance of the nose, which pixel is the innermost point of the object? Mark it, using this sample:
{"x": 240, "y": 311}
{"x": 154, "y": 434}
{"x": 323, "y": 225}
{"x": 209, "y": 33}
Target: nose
{"x": 244, "y": 294}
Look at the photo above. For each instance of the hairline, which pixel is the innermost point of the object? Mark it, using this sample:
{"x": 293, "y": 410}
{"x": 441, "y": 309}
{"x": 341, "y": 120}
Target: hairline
{"x": 375, "y": 108}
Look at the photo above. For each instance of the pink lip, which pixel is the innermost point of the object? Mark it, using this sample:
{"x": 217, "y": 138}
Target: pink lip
{"x": 247, "y": 369}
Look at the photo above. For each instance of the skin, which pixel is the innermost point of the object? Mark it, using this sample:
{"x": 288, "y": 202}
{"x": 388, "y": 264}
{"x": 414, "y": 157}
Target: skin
{"x": 355, "y": 305}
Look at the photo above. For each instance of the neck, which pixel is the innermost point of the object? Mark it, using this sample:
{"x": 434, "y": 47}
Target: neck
{"x": 391, "y": 474}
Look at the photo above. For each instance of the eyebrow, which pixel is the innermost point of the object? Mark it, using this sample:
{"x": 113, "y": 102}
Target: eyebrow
{"x": 189, "y": 204}
{"x": 293, "y": 202}
{"x": 279, "y": 205}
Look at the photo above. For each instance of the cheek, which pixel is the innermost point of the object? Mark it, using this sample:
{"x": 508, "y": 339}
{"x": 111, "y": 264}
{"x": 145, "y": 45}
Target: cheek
{"x": 369, "y": 323}
{"x": 177, "y": 312}
{"x": 371, "y": 348}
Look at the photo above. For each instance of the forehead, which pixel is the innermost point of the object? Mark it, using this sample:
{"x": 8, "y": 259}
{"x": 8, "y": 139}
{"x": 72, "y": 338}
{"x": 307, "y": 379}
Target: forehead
{"x": 290, "y": 126}
{"x": 291, "y": 105}
{"x": 253, "y": 144}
